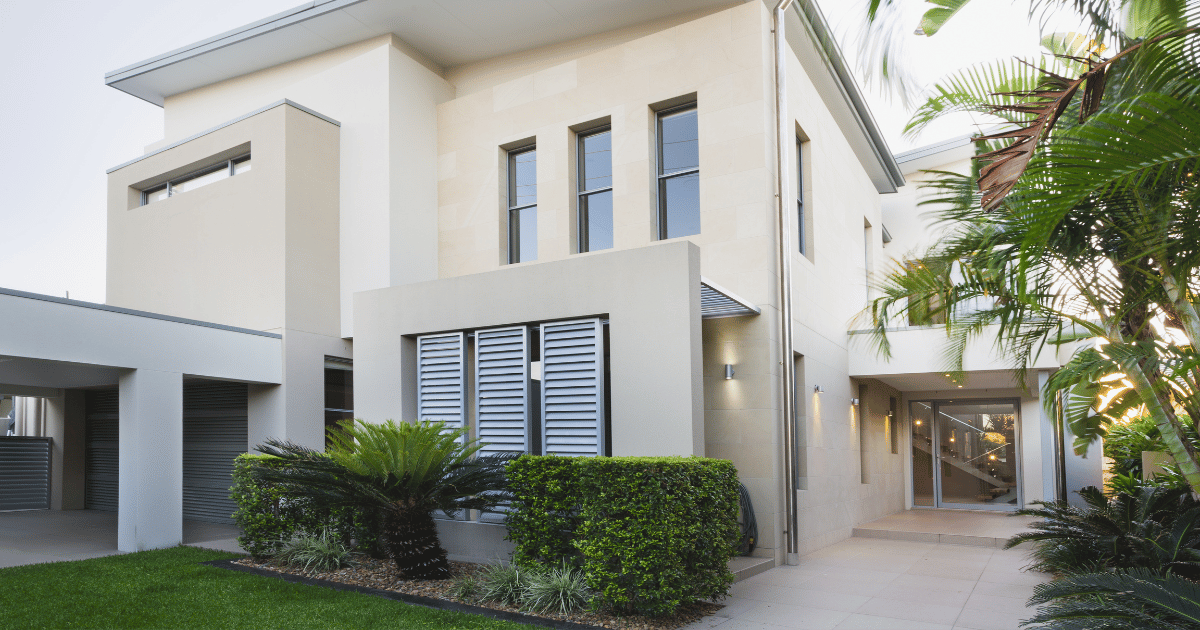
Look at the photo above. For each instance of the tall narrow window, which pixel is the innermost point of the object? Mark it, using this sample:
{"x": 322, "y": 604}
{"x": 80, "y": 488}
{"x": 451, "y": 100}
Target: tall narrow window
{"x": 595, "y": 190}
{"x": 800, "y": 231}
{"x": 522, "y": 205}
{"x": 678, "y": 172}
{"x": 339, "y": 392}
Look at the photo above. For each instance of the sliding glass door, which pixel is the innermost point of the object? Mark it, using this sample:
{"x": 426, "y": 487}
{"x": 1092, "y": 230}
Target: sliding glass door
{"x": 964, "y": 454}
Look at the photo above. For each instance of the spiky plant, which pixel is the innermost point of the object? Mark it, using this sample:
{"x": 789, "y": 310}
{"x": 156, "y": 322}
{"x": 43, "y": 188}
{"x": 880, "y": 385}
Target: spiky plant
{"x": 1137, "y": 599}
{"x": 321, "y": 552}
{"x": 1154, "y": 528}
{"x": 403, "y": 471}
{"x": 561, "y": 590}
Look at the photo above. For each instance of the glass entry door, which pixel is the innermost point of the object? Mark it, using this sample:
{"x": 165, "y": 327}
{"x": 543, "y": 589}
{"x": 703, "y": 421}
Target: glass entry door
{"x": 965, "y": 454}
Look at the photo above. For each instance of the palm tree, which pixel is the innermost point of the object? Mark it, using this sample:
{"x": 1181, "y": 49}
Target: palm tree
{"x": 1080, "y": 221}
{"x": 402, "y": 472}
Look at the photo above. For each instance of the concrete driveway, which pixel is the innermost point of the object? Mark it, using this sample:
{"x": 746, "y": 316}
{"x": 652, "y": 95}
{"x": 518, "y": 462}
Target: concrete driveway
{"x": 37, "y": 536}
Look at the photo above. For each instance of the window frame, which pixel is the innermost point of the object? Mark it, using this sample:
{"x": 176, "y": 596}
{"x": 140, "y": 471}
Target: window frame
{"x": 513, "y": 208}
{"x": 660, "y": 177}
{"x": 229, "y": 165}
{"x": 801, "y": 232}
{"x": 581, "y": 195}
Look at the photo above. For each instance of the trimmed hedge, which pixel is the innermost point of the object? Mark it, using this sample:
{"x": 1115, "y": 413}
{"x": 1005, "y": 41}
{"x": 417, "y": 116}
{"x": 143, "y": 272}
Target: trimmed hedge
{"x": 652, "y": 533}
{"x": 268, "y": 518}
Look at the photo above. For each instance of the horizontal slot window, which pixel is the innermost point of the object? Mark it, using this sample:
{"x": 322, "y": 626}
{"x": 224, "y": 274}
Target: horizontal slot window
{"x": 197, "y": 179}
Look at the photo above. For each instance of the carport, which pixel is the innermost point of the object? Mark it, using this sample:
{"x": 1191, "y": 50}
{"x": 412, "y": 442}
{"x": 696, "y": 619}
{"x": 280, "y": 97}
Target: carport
{"x": 62, "y": 349}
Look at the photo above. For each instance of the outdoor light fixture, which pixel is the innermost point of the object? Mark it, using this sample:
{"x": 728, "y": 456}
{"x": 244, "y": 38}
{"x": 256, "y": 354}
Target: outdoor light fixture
{"x": 854, "y": 401}
{"x": 818, "y": 389}
{"x": 728, "y": 372}
{"x": 917, "y": 422}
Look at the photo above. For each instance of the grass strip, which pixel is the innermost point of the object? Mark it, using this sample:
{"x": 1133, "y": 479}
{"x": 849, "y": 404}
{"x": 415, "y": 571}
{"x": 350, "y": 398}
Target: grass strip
{"x": 168, "y": 588}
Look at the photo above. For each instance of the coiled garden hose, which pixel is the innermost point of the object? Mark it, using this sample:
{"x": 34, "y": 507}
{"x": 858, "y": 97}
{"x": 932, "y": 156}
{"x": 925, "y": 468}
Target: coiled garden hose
{"x": 747, "y": 521}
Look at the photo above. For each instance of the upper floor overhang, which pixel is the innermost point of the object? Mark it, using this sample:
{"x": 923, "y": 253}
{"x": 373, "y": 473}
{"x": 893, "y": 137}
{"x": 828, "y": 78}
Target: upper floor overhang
{"x": 447, "y": 32}
{"x": 918, "y": 363}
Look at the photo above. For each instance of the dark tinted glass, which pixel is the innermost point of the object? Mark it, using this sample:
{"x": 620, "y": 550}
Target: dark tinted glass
{"x": 596, "y": 210}
{"x": 681, "y": 205}
{"x": 679, "y": 142}
{"x": 595, "y": 161}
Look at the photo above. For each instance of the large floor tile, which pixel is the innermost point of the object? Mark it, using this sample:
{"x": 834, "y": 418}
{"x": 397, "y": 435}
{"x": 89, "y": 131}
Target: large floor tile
{"x": 910, "y": 610}
{"x": 871, "y": 622}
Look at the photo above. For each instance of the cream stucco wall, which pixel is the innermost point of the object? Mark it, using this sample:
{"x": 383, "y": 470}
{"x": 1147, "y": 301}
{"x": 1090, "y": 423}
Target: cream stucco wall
{"x": 384, "y": 94}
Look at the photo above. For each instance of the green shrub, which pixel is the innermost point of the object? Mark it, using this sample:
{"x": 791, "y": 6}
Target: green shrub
{"x": 466, "y": 588}
{"x": 1153, "y": 528}
{"x": 504, "y": 584}
{"x": 1135, "y": 599}
{"x": 268, "y": 518}
{"x": 562, "y": 590}
{"x": 544, "y": 515}
{"x": 321, "y": 552}
{"x": 654, "y": 533}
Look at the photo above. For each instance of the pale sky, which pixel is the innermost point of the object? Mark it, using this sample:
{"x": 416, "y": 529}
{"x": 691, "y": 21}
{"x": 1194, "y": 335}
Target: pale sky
{"x": 62, "y": 127}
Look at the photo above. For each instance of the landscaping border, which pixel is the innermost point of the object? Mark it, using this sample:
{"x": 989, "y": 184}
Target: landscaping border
{"x": 416, "y": 600}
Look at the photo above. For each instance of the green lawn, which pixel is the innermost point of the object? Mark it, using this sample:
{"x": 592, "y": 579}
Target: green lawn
{"x": 168, "y": 589}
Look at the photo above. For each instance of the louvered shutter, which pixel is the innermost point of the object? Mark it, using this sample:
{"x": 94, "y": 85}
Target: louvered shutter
{"x": 573, "y": 388}
{"x": 441, "y": 374}
{"x": 24, "y": 473}
{"x": 502, "y": 404}
{"x": 100, "y": 469}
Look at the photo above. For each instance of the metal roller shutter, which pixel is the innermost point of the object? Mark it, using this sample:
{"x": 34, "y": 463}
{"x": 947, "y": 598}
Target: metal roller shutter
{"x": 441, "y": 384}
{"x": 24, "y": 473}
{"x": 214, "y": 433}
{"x": 573, "y": 388}
{"x": 100, "y": 472}
{"x": 502, "y": 405}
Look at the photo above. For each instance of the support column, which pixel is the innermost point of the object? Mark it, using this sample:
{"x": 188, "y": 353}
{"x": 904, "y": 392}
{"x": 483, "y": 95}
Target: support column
{"x": 150, "y": 499}
{"x": 65, "y": 426}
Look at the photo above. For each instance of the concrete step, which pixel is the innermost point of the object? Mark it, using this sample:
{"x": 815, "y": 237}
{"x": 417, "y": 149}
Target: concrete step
{"x": 930, "y": 537}
{"x": 746, "y": 566}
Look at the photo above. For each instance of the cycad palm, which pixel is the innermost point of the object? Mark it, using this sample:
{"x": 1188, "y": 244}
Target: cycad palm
{"x": 403, "y": 472}
{"x": 1097, "y": 238}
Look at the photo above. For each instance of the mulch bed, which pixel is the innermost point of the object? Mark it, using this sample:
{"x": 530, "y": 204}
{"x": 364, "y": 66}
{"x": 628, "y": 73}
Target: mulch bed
{"x": 379, "y": 577}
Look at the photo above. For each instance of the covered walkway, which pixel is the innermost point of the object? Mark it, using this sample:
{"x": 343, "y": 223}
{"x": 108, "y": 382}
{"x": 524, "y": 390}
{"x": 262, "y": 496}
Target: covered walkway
{"x": 37, "y": 536}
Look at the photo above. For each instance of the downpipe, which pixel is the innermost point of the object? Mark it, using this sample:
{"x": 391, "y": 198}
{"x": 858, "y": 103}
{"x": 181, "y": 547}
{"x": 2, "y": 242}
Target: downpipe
{"x": 787, "y": 365}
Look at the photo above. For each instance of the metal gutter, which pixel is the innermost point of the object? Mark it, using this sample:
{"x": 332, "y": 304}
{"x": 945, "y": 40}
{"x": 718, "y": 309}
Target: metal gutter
{"x": 820, "y": 33}
{"x": 127, "y": 311}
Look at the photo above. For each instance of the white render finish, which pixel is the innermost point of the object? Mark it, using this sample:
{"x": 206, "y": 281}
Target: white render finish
{"x": 150, "y": 494}
{"x": 651, "y": 297}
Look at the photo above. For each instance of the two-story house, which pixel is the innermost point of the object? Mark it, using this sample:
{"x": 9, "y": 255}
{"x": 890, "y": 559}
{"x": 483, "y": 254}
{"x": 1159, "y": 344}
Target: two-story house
{"x": 574, "y": 227}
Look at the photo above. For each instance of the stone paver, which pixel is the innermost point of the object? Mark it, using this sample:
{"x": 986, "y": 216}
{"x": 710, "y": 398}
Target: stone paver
{"x": 885, "y": 584}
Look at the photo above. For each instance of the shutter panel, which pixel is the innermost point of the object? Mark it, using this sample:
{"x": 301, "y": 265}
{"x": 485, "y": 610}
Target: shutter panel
{"x": 502, "y": 405}
{"x": 573, "y": 388}
{"x": 100, "y": 468}
{"x": 24, "y": 473}
{"x": 441, "y": 379}
{"x": 214, "y": 433}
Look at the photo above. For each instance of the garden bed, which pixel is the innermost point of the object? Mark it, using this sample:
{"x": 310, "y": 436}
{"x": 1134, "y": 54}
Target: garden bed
{"x": 378, "y": 577}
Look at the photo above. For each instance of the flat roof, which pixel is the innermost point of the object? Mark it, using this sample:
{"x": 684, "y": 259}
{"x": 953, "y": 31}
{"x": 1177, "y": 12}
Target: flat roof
{"x": 448, "y": 32}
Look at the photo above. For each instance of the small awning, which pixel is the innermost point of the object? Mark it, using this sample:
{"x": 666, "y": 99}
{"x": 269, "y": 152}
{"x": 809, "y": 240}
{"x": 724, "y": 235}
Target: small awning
{"x": 717, "y": 302}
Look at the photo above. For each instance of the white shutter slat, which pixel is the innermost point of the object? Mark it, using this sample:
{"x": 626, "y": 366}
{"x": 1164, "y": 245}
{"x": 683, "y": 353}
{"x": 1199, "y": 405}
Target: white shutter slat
{"x": 441, "y": 373}
{"x": 502, "y": 399}
{"x": 573, "y": 388}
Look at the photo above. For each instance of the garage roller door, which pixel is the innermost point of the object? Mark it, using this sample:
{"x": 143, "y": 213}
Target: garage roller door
{"x": 100, "y": 451}
{"x": 214, "y": 433}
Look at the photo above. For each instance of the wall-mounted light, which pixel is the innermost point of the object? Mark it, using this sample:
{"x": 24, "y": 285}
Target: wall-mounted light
{"x": 728, "y": 372}
{"x": 854, "y": 401}
{"x": 818, "y": 389}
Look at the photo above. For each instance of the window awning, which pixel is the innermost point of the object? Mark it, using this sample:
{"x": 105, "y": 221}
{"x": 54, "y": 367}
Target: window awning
{"x": 716, "y": 302}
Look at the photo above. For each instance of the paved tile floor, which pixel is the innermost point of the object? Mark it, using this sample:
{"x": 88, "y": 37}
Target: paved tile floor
{"x": 38, "y": 536}
{"x": 884, "y": 584}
